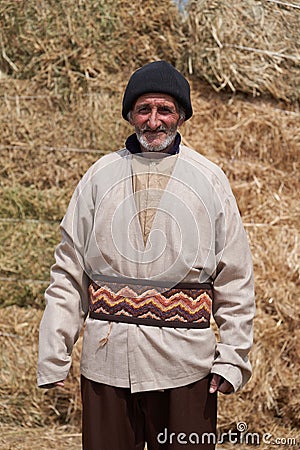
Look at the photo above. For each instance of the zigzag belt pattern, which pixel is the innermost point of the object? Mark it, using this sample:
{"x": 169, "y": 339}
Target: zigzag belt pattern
{"x": 147, "y": 305}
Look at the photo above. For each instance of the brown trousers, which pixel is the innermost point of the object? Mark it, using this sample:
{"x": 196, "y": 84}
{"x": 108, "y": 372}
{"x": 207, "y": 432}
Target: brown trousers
{"x": 175, "y": 419}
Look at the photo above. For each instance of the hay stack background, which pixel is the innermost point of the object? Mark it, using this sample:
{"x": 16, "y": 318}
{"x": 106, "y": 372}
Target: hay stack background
{"x": 60, "y": 111}
{"x": 250, "y": 46}
{"x": 70, "y": 47}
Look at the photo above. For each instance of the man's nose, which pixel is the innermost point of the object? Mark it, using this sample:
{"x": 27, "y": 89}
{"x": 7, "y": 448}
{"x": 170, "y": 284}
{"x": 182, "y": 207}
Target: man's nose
{"x": 153, "y": 120}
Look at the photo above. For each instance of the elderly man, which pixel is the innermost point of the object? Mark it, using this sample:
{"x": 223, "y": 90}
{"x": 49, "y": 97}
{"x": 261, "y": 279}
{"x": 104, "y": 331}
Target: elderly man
{"x": 152, "y": 248}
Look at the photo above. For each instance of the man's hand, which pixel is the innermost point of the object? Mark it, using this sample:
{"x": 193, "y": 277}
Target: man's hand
{"x": 52, "y": 385}
{"x": 218, "y": 383}
{"x": 59, "y": 383}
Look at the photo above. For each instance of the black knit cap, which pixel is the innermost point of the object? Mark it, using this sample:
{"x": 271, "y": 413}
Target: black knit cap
{"x": 157, "y": 77}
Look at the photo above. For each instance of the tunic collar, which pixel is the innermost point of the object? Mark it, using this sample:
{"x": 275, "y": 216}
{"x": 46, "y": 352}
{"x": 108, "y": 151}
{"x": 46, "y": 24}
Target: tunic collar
{"x": 132, "y": 144}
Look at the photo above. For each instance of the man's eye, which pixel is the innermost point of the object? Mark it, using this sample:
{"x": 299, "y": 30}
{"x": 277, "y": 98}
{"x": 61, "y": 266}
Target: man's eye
{"x": 143, "y": 110}
{"x": 165, "y": 110}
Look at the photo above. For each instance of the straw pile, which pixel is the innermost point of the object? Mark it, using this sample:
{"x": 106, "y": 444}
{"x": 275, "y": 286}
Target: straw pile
{"x": 59, "y": 438}
{"x": 250, "y": 46}
{"x": 68, "y": 46}
{"x": 47, "y": 143}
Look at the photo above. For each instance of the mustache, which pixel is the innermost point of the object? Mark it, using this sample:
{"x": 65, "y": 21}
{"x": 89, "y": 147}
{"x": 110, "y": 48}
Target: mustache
{"x": 160, "y": 128}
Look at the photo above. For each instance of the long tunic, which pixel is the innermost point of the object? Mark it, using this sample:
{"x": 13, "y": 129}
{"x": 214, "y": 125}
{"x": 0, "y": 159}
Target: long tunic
{"x": 183, "y": 226}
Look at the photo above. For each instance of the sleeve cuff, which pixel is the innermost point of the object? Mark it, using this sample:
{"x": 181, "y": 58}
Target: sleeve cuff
{"x": 230, "y": 373}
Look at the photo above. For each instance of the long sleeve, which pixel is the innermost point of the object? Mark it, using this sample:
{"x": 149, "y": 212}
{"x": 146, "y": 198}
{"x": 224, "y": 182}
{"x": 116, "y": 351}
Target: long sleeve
{"x": 66, "y": 309}
{"x": 234, "y": 305}
{"x": 67, "y": 295}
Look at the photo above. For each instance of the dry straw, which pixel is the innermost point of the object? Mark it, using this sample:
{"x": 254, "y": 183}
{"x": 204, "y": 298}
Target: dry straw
{"x": 62, "y": 438}
{"x": 47, "y": 143}
{"x": 250, "y": 46}
{"x": 66, "y": 45}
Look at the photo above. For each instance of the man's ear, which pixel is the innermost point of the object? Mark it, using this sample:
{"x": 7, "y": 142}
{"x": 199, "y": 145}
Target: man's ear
{"x": 181, "y": 121}
{"x": 129, "y": 117}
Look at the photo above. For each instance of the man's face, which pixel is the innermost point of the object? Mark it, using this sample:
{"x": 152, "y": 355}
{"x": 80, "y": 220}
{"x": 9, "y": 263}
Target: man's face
{"x": 155, "y": 118}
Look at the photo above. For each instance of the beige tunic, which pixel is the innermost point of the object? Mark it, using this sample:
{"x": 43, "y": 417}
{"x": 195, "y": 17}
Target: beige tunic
{"x": 150, "y": 179}
{"x": 187, "y": 230}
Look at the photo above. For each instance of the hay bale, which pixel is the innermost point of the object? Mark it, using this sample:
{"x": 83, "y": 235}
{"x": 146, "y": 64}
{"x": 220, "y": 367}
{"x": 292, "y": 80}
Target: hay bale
{"x": 26, "y": 438}
{"x": 26, "y": 257}
{"x": 28, "y": 202}
{"x": 44, "y": 143}
{"x": 67, "y": 45}
{"x": 248, "y": 46}
{"x": 241, "y": 129}
{"x": 22, "y": 402}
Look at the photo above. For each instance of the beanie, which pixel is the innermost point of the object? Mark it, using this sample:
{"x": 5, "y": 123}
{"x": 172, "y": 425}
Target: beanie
{"x": 160, "y": 77}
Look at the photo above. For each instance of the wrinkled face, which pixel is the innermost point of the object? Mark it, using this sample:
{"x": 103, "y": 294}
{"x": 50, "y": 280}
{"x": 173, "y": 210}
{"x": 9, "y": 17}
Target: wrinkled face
{"x": 155, "y": 118}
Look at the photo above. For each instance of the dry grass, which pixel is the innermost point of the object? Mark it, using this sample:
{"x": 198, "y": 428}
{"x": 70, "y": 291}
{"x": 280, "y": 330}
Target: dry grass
{"x": 249, "y": 46}
{"x": 246, "y": 46}
{"x": 99, "y": 38}
{"x": 59, "y": 438}
{"x": 22, "y": 403}
{"x": 60, "y": 111}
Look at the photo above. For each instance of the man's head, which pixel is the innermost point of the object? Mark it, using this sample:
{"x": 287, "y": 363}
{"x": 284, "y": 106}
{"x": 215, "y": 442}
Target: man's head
{"x": 156, "y": 101}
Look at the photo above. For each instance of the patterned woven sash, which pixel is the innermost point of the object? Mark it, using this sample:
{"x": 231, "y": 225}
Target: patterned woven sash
{"x": 186, "y": 305}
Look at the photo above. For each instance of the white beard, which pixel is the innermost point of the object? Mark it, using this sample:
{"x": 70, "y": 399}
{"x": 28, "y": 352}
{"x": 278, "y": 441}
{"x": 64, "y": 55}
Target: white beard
{"x": 170, "y": 136}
